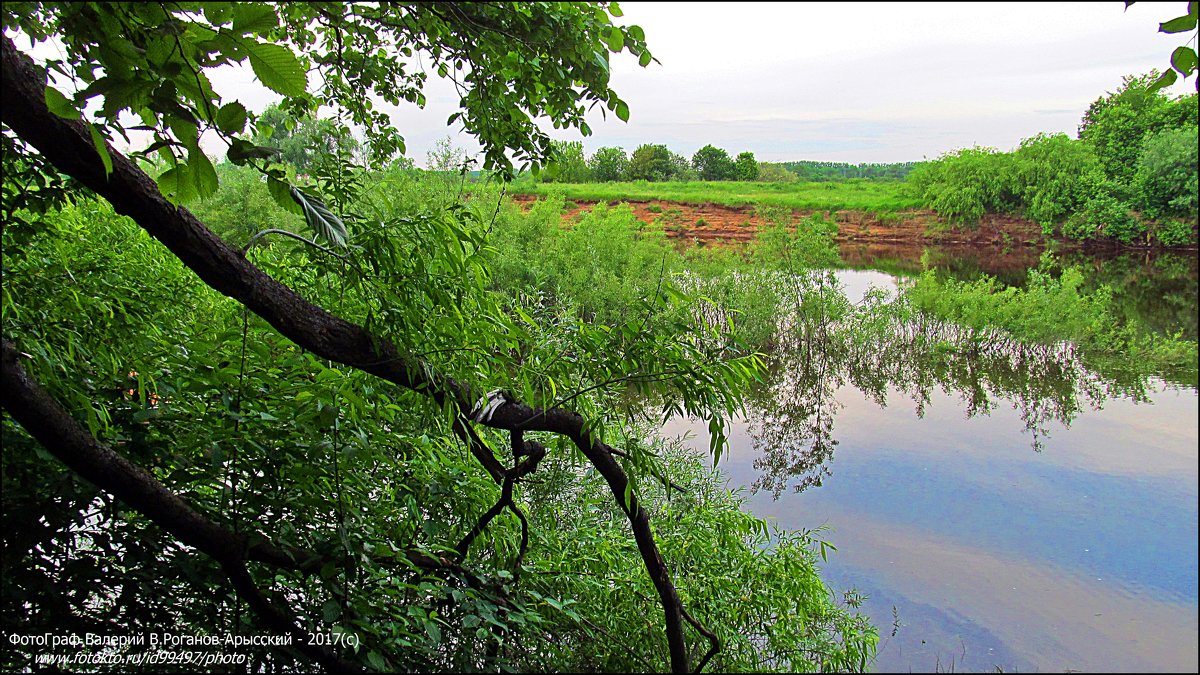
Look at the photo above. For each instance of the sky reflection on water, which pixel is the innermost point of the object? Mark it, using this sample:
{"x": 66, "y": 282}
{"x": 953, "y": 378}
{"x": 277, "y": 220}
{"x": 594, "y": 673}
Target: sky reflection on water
{"x": 1082, "y": 555}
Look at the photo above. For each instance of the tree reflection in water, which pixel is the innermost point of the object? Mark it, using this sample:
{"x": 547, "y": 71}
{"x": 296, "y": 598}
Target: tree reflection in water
{"x": 883, "y": 344}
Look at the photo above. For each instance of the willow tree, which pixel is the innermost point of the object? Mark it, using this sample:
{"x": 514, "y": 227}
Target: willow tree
{"x": 331, "y": 442}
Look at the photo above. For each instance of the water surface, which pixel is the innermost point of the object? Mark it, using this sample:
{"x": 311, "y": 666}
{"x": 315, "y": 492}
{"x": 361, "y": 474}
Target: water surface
{"x": 1018, "y": 511}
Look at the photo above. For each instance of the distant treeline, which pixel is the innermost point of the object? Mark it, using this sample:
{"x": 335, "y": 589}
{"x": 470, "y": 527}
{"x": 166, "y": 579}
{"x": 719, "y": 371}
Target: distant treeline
{"x": 827, "y": 171}
{"x": 657, "y": 163}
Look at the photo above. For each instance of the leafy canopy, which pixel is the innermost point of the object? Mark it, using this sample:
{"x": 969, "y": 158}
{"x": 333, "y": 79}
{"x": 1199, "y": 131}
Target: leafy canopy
{"x": 510, "y": 65}
{"x": 714, "y": 163}
{"x": 651, "y": 162}
{"x": 286, "y": 437}
{"x": 609, "y": 164}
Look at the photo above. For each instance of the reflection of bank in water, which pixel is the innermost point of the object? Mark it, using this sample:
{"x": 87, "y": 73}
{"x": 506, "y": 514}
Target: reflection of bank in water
{"x": 1157, "y": 289}
{"x": 1081, "y": 556}
{"x": 883, "y": 347}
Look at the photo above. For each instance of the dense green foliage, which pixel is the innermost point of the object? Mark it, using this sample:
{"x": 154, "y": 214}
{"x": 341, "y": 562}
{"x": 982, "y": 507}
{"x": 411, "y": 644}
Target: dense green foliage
{"x": 747, "y": 166}
{"x": 317, "y": 498}
{"x": 609, "y": 165}
{"x": 769, "y": 172}
{"x": 1045, "y": 179}
{"x": 342, "y": 481}
{"x": 1052, "y": 308}
{"x": 1116, "y": 124}
{"x": 651, "y": 162}
{"x": 303, "y": 143}
{"x": 713, "y": 163}
{"x": 569, "y": 165}
{"x": 1167, "y": 173}
{"x": 203, "y": 408}
{"x": 1130, "y": 178}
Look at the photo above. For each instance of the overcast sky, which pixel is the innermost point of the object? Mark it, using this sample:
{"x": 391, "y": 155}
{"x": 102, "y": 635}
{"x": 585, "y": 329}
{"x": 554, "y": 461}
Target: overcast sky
{"x": 861, "y": 82}
{"x": 851, "y": 82}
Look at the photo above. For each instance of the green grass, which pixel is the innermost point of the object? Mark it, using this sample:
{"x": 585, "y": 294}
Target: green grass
{"x": 855, "y": 195}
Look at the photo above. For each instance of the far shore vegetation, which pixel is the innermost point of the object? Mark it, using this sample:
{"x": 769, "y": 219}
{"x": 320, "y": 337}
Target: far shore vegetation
{"x": 1129, "y": 177}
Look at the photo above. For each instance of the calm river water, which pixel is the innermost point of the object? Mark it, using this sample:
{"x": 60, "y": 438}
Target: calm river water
{"x": 1025, "y": 513}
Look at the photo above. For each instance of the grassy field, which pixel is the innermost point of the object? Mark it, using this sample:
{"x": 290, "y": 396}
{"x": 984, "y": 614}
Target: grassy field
{"x": 857, "y": 195}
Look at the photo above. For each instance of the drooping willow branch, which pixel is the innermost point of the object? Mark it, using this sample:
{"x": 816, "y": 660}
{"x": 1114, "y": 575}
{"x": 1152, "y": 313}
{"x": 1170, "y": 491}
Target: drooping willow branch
{"x": 67, "y": 144}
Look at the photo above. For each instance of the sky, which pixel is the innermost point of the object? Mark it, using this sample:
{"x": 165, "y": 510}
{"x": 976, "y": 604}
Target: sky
{"x": 860, "y": 82}
{"x": 876, "y": 82}
{"x": 847, "y": 82}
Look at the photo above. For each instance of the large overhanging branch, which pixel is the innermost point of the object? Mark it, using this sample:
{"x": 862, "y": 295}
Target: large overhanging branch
{"x": 62, "y": 436}
{"x": 67, "y": 144}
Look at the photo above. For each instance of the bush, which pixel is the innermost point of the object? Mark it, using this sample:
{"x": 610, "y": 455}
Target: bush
{"x": 1166, "y": 176}
{"x": 964, "y": 184}
{"x": 774, "y": 173}
{"x": 713, "y": 163}
{"x": 242, "y": 206}
{"x": 1118, "y": 124}
{"x": 1175, "y": 232}
{"x": 609, "y": 164}
{"x": 1053, "y": 175}
{"x": 747, "y": 167}
{"x": 568, "y": 165}
{"x": 1107, "y": 216}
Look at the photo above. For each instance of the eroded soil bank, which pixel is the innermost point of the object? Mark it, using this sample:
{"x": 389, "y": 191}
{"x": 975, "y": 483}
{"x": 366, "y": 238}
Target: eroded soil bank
{"x": 862, "y": 237}
{"x": 714, "y": 223}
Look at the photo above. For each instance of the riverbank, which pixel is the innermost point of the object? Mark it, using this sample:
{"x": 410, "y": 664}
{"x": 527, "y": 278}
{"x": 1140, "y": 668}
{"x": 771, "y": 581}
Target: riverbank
{"x": 710, "y": 223}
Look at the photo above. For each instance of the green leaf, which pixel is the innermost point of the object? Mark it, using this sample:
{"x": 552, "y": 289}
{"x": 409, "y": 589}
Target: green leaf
{"x": 278, "y": 68}
{"x": 622, "y": 111}
{"x": 217, "y": 13}
{"x": 1165, "y": 80}
{"x": 61, "y": 105}
{"x": 177, "y": 184}
{"x": 203, "y": 173}
{"x": 185, "y": 130}
{"x": 320, "y": 219}
{"x": 1184, "y": 60}
{"x": 1179, "y": 24}
{"x": 281, "y": 192}
{"x": 231, "y": 118}
{"x": 644, "y": 59}
{"x": 434, "y": 632}
{"x": 615, "y": 39}
{"x": 615, "y": 9}
{"x": 254, "y": 18}
{"x": 331, "y": 611}
{"x": 240, "y": 151}
{"x": 101, "y": 149}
